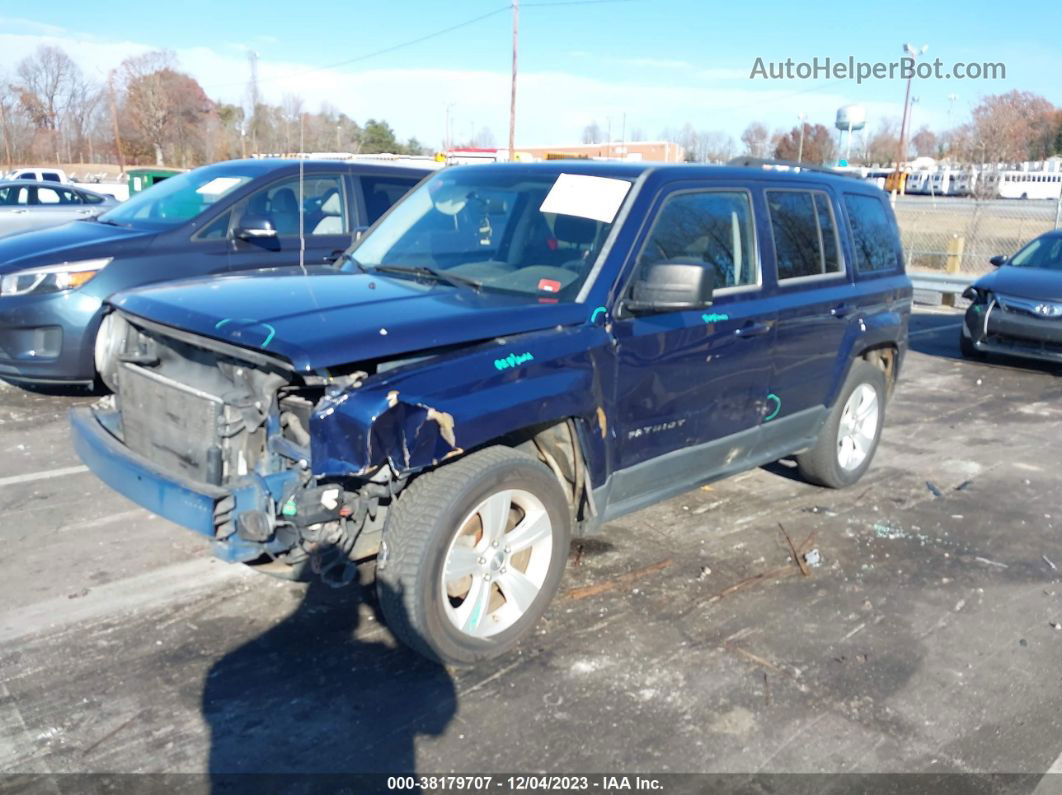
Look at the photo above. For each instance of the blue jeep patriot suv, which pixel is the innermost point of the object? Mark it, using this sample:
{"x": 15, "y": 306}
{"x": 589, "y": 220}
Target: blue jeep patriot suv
{"x": 512, "y": 355}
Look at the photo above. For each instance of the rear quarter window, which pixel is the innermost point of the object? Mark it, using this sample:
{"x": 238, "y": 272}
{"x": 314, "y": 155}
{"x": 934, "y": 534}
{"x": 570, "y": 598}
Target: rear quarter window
{"x": 875, "y": 240}
{"x": 804, "y": 233}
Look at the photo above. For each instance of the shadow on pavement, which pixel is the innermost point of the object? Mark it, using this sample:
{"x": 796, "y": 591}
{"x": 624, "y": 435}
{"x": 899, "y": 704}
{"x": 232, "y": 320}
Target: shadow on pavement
{"x": 309, "y": 696}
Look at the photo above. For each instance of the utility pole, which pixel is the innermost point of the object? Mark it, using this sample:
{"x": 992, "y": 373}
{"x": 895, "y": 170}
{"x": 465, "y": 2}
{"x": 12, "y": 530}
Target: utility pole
{"x": 7, "y": 137}
{"x": 512, "y": 96}
{"x": 252, "y": 90}
{"x": 114, "y": 120}
{"x": 901, "y": 156}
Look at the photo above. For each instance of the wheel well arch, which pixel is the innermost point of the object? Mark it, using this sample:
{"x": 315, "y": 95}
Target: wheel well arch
{"x": 884, "y": 356}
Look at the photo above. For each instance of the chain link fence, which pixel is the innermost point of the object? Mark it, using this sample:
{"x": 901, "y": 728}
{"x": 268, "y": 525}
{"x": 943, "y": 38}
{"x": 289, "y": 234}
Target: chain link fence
{"x": 958, "y": 235}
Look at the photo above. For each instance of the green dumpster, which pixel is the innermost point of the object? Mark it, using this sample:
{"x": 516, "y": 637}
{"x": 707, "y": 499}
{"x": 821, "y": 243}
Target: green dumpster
{"x": 143, "y": 178}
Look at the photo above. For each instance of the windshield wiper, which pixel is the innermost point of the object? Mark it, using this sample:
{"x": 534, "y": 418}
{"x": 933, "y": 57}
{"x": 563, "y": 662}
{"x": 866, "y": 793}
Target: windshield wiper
{"x": 431, "y": 273}
{"x": 100, "y": 220}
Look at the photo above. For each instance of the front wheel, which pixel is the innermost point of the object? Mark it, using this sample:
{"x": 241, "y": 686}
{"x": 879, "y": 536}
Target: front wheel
{"x": 472, "y": 554}
{"x": 850, "y": 436}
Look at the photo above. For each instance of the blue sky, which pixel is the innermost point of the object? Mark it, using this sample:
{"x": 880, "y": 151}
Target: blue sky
{"x": 660, "y": 63}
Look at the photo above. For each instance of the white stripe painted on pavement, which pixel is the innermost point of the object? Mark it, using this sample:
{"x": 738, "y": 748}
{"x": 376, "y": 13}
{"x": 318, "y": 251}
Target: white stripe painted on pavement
{"x": 934, "y": 330}
{"x": 29, "y": 477}
{"x": 145, "y": 591}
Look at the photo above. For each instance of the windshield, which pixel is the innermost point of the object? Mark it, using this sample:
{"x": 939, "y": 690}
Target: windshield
{"x": 175, "y": 200}
{"x": 504, "y": 230}
{"x": 1044, "y": 252}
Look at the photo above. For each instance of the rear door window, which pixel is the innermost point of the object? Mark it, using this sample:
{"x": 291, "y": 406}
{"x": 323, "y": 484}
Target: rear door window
{"x": 711, "y": 228}
{"x": 14, "y": 195}
{"x": 875, "y": 242}
{"x": 804, "y": 231}
{"x": 381, "y": 193}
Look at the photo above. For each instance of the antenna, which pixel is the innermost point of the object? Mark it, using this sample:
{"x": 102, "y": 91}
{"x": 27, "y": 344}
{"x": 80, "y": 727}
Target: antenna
{"x": 302, "y": 161}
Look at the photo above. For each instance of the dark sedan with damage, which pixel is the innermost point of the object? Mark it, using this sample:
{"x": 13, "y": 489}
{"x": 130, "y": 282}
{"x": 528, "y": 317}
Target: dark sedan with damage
{"x": 1017, "y": 309}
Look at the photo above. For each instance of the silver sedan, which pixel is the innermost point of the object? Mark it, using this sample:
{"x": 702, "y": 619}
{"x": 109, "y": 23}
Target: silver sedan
{"x": 26, "y": 205}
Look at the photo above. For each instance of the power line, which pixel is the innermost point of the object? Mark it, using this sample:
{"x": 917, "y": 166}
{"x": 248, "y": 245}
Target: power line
{"x": 426, "y": 37}
{"x": 386, "y": 50}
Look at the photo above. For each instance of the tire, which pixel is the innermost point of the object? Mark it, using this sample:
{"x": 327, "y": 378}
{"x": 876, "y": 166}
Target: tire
{"x": 843, "y": 452}
{"x": 440, "y": 526}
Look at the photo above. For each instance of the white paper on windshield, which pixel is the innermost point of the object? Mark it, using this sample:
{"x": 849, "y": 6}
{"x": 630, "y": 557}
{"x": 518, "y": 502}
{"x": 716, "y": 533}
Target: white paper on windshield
{"x": 219, "y": 185}
{"x": 597, "y": 198}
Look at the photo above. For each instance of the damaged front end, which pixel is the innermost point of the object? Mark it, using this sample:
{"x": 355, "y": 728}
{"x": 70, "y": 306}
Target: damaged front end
{"x": 217, "y": 438}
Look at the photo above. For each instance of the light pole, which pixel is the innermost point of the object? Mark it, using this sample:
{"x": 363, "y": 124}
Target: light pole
{"x": 901, "y": 156}
{"x": 800, "y": 149}
{"x": 512, "y": 94}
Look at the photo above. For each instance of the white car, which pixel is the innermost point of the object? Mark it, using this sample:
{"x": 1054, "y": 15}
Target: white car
{"x": 40, "y": 175}
{"x": 26, "y": 205}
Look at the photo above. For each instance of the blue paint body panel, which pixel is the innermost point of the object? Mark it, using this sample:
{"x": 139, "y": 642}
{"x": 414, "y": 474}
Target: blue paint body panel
{"x": 721, "y": 389}
{"x": 172, "y": 497}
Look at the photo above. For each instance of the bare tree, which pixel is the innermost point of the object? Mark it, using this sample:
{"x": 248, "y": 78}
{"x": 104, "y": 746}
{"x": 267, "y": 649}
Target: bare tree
{"x": 925, "y": 142}
{"x": 291, "y": 109}
{"x": 45, "y": 79}
{"x": 714, "y": 147}
{"x": 881, "y": 147}
{"x": 592, "y": 133}
{"x": 755, "y": 137}
{"x": 84, "y": 100}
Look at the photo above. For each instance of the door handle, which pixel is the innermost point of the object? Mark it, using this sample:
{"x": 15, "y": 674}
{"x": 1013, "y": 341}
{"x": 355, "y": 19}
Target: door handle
{"x": 752, "y": 329}
{"x": 839, "y": 311}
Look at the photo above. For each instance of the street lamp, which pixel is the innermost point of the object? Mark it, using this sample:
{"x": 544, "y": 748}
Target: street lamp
{"x": 800, "y": 150}
{"x": 913, "y": 54}
{"x": 901, "y": 156}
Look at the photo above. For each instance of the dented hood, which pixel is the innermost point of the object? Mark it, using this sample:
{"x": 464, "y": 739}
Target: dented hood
{"x": 1035, "y": 283}
{"x": 329, "y": 318}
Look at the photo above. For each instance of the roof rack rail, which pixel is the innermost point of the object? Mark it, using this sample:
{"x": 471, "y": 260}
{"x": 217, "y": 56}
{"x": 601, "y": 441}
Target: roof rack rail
{"x": 760, "y": 162}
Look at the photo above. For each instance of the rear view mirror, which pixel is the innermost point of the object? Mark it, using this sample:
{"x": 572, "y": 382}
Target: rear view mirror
{"x": 998, "y": 260}
{"x": 672, "y": 287}
{"x": 255, "y": 227}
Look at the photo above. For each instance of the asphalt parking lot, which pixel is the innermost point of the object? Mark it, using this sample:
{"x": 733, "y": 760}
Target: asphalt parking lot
{"x": 928, "y": 638}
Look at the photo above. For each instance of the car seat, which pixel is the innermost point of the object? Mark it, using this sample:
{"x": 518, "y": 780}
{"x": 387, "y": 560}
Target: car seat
{"x": 284, "y": 209}
{"x": 329, "y": 218}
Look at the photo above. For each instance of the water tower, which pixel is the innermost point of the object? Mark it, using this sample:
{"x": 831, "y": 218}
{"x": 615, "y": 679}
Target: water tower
{"x": 850, "y": 118}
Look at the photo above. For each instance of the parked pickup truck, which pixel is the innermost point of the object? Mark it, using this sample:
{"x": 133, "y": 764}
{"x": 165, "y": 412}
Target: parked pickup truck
{"x": 514, "y": 354}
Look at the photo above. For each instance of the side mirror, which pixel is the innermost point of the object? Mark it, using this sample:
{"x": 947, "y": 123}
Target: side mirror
{"x": 998, "y": 260}
{"x": 673, "y": 287}
{"x": 255, "y": 227}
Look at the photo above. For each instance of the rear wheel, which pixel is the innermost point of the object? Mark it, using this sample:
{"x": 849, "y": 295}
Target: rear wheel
{"x": 472, "y": 554}
{"x": 849, "y": 438}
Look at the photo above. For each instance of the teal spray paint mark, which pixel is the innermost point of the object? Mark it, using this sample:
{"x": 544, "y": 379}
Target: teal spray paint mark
{"x": 513, "y": 360}
{"x": 777, "y": 406}
{"x": 715, "y": 318}
{"x": 251, "y": 322}
{"x": 594, "y": 314}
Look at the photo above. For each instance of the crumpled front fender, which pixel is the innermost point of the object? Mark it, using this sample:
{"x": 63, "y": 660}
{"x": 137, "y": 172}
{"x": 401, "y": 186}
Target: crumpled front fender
{"x": 416, "y": 416}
